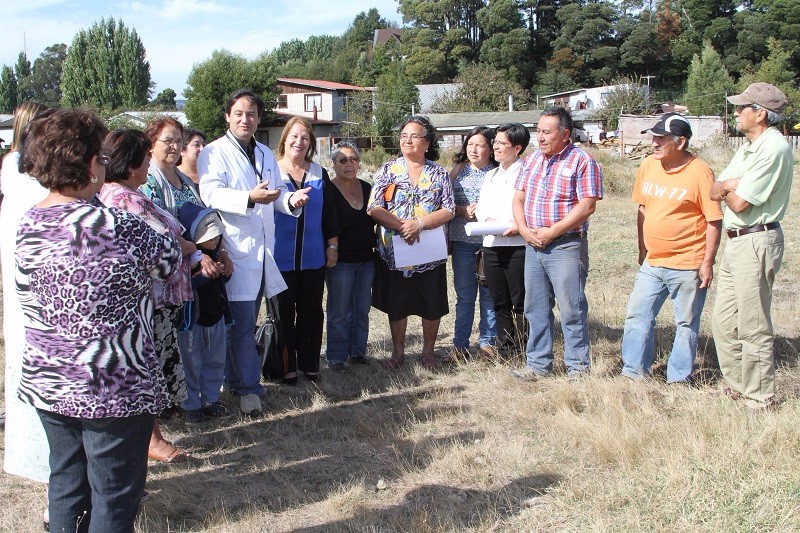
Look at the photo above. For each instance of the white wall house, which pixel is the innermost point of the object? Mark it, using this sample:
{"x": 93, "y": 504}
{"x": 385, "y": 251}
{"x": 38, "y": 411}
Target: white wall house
{"x": 589, "y": 98}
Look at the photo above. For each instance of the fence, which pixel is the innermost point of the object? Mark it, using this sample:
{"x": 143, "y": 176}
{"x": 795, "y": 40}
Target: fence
{"x": 793, "y": 140}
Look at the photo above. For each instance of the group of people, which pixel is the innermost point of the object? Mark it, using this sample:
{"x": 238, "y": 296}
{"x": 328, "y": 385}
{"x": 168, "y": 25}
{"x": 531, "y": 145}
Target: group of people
{"x": 140, "y": 261}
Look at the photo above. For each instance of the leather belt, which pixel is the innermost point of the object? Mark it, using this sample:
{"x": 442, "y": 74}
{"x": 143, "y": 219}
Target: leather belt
{"x": 733, "y": 233}
{"x": 570, "y": 235}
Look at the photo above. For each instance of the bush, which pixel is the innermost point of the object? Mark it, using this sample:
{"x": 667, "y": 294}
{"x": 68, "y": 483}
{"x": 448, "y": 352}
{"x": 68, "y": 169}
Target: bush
{"x": 371, "y": 160}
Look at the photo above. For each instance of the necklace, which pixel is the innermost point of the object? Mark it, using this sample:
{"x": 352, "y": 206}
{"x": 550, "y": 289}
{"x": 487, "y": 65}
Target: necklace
{"x": 350, "y": 197}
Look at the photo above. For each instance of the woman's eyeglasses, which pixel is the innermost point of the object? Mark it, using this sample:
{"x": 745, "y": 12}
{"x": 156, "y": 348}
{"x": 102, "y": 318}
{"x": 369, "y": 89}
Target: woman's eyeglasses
{"x": 413, "y": 137}
{"x": 344, "y": 160}
{"x": 103, "y": 160}
{"x": 172, "y": 142}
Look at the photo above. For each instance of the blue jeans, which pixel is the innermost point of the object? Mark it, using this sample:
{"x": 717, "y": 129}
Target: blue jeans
{"x": 204, "y": 355}
{"x": 347, "y": 309}
{"x": 557, "y": 274}
{"x": 243, "y": 365}
{"x": 467, "y": 288}
{"x": 650, "y": 291}
{"x": 97, "y": 471}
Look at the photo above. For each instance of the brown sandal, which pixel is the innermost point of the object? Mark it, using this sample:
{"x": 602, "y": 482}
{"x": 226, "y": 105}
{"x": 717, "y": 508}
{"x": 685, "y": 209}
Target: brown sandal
{"x": 178, "y": 455}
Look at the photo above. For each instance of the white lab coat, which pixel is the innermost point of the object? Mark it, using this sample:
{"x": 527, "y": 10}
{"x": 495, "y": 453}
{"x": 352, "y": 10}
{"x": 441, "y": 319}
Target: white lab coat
{"x": 226, "y": 179}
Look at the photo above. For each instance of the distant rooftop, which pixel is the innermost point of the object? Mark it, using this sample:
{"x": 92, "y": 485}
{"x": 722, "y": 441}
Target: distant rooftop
{"x": 322, "y": 84}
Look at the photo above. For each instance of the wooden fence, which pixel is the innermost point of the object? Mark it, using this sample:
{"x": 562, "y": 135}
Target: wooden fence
{"x": 794, "y": 141}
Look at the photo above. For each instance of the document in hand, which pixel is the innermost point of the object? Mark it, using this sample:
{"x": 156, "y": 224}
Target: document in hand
{"x": 432, "y": 246}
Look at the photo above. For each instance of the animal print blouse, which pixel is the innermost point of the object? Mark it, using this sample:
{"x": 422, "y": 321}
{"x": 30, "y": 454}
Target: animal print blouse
{"x": 84, "y": 276}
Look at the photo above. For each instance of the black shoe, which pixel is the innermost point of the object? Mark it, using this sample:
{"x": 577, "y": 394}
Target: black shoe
{"x": 361, "y": 360}
{"x": 216, "y": 410}
{"x": 194, "y": 416}
{"x": 336, "y": 366}
{"x": 290, "y": 381}
{"x": 314, "y": 376}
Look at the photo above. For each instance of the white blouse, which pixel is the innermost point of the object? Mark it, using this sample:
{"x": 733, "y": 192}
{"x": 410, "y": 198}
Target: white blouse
{"x": 497, "y": 195}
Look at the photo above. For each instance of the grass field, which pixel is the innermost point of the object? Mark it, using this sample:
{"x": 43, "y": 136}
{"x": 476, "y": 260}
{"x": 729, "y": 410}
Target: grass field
{"x": 469, "y": 448}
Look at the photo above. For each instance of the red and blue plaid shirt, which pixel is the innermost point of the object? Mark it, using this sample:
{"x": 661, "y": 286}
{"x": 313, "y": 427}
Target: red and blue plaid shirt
{"x": 554, "y": 186}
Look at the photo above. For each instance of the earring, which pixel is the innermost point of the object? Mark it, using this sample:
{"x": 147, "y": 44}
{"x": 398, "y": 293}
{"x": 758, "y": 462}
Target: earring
{"x": 94, "y": 179}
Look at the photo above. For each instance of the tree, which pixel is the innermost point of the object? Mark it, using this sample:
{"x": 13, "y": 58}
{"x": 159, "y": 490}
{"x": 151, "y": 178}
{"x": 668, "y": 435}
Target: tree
{"x": 707, "y": 84}
{"x": 106, "y": 68}
{"x": 627, "y": 96}
{"x": 45, "y": 81}
{"x": 165, "y": 100}
{"x": 211, "y": 82}
{"x": 395, "y": 97}
{"x": 639, "y": 51}
{"x": 8, "y": 90}
{"x": 23, "y": 73}
{"x": 587, "y": 31}
{"x": 483, "y": 88}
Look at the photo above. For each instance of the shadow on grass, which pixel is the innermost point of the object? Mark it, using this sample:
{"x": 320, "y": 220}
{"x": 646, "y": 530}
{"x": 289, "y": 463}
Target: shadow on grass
{"x": 444, "y": 508}
{"x": 299, "y": 456}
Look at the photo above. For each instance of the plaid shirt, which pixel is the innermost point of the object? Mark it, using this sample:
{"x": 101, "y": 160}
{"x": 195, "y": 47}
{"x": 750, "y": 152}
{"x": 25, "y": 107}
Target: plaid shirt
{"x": 554, "y": 186}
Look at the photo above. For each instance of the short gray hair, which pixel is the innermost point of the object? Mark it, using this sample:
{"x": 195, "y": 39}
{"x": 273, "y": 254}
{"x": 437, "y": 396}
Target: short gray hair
{"x": 337, "y": 149}
{"x": 773, "y": 118}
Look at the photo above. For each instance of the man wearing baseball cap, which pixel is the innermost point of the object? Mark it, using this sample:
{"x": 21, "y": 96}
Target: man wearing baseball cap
{"x": 754, "y": 191}
{"x": 679, "y": 230}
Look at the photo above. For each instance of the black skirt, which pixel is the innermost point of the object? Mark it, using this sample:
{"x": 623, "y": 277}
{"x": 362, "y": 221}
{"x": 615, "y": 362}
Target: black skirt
{"x": 423, "y": 294}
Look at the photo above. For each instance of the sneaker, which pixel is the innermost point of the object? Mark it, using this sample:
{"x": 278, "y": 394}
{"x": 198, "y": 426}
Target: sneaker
{"x": 250, "y": 403}
{"x": 193, "y": 416}
{"x": 359, "y": 360}
{"x": 336, "y": 366}
{"x": 216, "y": 410}
{"x": 525, "y": 374}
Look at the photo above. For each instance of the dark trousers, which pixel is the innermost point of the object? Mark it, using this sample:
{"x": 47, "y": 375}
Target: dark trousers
{"x": 97, "y": 471}
{"x": 505, "y": 273}
{"x": 301, "y": 315}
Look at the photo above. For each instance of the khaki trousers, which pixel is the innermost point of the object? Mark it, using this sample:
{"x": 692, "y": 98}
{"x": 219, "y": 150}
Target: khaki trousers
{"x": 741, "y": 322}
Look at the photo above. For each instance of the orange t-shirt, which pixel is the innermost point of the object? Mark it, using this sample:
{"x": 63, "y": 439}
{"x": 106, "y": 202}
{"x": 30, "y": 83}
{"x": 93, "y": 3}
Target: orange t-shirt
{"x": 677, "y": 209}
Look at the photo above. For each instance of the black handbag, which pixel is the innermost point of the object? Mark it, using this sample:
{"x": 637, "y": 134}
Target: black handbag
{"x": 480, "y": 268}
{"x": 268, "y": 344}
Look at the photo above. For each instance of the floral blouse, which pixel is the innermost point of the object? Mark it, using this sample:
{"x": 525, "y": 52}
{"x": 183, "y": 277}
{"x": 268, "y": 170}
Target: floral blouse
{"x": 466, "y": 190}
{"x": 177, "y": 289}
{"x": 392, "y": 190}
{"x": 83, "y": 278}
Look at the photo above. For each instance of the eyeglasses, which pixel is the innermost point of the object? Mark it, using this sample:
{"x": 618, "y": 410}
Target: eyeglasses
{"x": 413, "y": 137}
{"x": 501, "y": 143}
{"x": 172, "y": 142}
{"x": 344, "y": 160}
{"x": 103, "y": 160}
{"x": 741, "y": 108}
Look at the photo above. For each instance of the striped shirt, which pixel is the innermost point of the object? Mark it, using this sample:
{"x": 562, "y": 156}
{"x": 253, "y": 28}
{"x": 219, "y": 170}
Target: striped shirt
{"x": 553, "y": 186}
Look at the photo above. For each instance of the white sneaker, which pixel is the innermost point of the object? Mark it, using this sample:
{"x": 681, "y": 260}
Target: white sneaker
{"x": 250, "y": 403}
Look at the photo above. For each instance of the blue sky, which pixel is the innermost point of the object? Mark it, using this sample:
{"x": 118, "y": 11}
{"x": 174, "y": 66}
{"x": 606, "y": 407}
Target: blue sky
{"x": 179, "y": 33}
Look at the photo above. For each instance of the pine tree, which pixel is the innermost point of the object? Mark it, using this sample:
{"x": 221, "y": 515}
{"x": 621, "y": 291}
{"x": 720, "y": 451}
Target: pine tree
{"x": 106, "y": 68}
{"x": 8, "y": 90}
{"x": 707, "y": 84}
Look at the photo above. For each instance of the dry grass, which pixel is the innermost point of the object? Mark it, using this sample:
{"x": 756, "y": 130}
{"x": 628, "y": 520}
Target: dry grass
{"x": 469, "y": 448}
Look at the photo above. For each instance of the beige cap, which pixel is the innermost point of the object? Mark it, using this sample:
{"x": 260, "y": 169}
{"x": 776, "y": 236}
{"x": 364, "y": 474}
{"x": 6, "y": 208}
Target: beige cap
{"x": 208, "y": 228}
{"x": 763, "y": 94}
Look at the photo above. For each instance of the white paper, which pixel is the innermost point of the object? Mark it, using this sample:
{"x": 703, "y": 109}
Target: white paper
{"x": 432, "y": 246}
{"x": 486, "y": 228}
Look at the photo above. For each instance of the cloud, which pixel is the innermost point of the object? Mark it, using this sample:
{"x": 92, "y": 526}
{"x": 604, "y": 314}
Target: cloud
{"x": 178, "y": 9}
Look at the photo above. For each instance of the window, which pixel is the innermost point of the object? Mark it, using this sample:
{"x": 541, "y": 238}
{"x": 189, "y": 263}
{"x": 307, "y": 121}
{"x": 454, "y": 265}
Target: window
{"x": 281, "y": 101}
{"x": 312, "y": 101}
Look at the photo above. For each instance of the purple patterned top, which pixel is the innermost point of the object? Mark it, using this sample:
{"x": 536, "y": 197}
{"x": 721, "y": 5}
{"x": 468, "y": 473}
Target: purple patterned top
{"x": 178, "y": 288}
{"x": 83, "y": 278}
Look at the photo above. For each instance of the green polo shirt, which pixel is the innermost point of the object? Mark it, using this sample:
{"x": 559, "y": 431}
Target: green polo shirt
{"x": 765, "y": 167}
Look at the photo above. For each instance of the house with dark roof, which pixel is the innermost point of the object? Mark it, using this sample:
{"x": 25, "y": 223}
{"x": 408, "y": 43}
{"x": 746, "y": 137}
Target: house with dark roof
{"x": 386, "y": 35}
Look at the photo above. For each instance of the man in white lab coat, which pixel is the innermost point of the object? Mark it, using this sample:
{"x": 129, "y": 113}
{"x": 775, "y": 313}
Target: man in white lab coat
{"x": 239, "y": 177}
